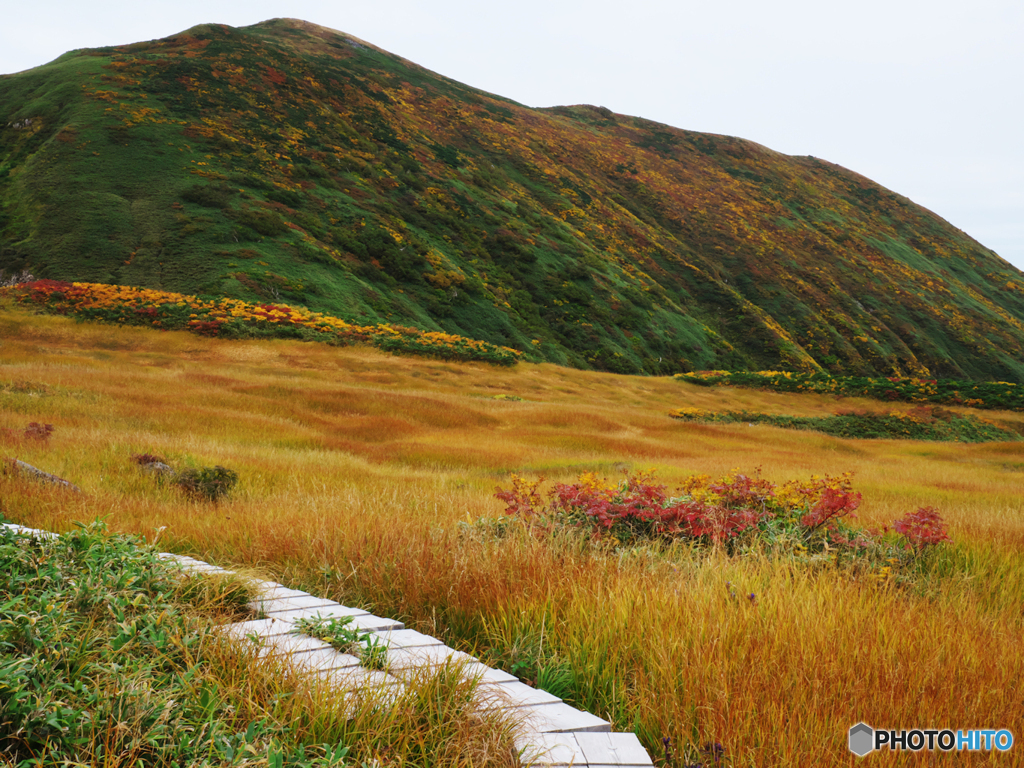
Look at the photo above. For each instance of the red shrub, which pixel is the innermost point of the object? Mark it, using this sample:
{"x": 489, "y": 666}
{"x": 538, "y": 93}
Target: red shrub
{"x": 523, "y": 499}
{"x": 922, "y": 529}
{"x": 638, "y": 507}
{"x": 143, "y": 459}
{"x": 37, "y": 431}
{"x": 831, "y": 505}
{"x": 744, "y": 492}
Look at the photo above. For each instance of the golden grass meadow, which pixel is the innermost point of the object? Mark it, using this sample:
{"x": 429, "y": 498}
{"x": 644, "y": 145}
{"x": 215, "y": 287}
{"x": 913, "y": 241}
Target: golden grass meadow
{"x": 362, "y": 475}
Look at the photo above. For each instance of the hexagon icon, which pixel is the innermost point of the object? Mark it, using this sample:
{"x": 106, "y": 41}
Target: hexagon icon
{"x": 862, "y": 739}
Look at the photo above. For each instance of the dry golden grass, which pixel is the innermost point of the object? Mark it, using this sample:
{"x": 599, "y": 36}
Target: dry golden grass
{"x": 438, "y": 719}
{"x": 357, "y": 468}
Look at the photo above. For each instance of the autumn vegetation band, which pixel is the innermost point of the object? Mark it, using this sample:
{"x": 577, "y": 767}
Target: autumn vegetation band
{"x": 232, "y": 318}
{"x": 987, "y": 394}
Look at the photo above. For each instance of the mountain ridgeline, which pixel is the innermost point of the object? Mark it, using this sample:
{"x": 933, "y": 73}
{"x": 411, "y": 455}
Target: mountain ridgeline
{"x": 289, "y": 163}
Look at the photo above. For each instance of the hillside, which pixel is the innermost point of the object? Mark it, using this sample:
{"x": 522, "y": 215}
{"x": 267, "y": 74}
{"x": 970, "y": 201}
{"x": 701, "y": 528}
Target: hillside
{"x": 289, "y": 163}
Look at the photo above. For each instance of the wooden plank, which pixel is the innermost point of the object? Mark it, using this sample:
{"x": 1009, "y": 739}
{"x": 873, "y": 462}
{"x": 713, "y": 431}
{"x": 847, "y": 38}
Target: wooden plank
{"x": 613, "y": 749}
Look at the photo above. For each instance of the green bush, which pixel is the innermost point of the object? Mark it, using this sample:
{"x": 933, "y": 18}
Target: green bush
{"x": 263, "y": 222}
{"x": 286, "y": 197}
{"x": 209, "y": 196}
{"x": 209, "y": 483}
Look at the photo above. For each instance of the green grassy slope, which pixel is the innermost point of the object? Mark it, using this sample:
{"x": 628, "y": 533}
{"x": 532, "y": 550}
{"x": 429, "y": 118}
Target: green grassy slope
{"x": 286, "y": 162}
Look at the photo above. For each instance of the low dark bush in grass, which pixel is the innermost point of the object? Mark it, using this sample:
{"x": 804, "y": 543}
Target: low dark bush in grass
{"x": 35, "y": 431}
{"x": 286, "y": 197}
{"x": 206, "y": 483}
{"x": 261, "y": 221}
{"x": 142, "y": 459}
{"x": 209, "y": 195}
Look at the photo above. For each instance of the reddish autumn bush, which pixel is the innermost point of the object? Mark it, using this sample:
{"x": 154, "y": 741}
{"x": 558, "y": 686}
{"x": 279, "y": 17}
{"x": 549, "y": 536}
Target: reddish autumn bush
{"x": 922, "y": 529}
{"x": 639, "y": 508}
{"x": 142, "y": 459}
{"x": 522, "y": 499}
{"x": 833, "y": 504}
{"x": 37, "y": 431}
{"x": 736, "y": 510}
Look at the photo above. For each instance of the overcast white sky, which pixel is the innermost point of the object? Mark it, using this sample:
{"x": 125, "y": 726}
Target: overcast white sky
{"x": 924, "y": 96}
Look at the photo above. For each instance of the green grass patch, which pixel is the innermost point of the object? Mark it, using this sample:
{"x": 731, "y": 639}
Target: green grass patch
{"x": 336, "y": 631}
{"x": 109, "y": 656}
{"x": 99, "y": 642}
{"x": 1000, "y": 395}
{"x": 917, "y": 424}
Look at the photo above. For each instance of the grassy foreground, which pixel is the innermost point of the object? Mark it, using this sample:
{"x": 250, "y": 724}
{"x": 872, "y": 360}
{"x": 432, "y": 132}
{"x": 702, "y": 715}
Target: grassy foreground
{"x": 362, "y": 476}
{"x": 110, "y": 656}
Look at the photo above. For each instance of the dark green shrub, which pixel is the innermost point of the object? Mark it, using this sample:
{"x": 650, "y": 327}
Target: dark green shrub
{"x": 260, "y": 221}
{"x": 209, "y": 483}
{"x": 209, "y": 196}
{"x": 286, "y": 197}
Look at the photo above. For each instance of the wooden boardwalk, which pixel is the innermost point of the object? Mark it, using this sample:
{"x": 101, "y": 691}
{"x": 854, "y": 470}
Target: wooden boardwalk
{"x": 551, "y": 733}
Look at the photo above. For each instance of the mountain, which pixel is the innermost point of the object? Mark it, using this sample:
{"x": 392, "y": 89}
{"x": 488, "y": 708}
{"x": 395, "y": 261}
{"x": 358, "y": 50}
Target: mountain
{"x": 286, "y": 162}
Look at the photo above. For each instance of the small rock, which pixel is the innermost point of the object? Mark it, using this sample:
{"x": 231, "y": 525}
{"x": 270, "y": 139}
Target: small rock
{"x": 157, "y": 468}
{"x": 22, "y": 468}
